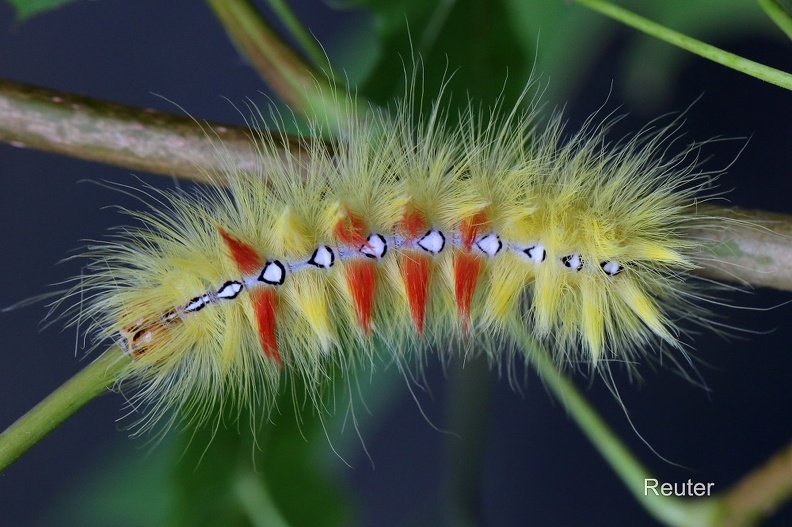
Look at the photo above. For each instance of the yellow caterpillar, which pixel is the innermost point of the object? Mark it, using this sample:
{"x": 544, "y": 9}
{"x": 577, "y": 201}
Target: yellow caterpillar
{"x": 411, "y": 235}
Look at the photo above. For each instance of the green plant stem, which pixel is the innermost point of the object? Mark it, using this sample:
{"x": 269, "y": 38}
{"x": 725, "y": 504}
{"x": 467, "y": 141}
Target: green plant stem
{"x": 60, "y": 404}
{"x": 669, "y": 510}
{"x": 301, "y": 35}
{"x": 467, "y": 412}
{"x": 255, "y": 499}
{"x": 295, "y": 82}
{"x": 779, "y": 15}
{"x": 736, "y": 62}
{"x": 750, "y": 500}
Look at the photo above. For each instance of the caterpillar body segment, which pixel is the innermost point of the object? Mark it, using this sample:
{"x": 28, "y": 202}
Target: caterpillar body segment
{"x": 408, "y": 236}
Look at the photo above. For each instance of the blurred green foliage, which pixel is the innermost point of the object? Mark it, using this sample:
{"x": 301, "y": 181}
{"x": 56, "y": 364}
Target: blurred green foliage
{"x": 28, "y": 8}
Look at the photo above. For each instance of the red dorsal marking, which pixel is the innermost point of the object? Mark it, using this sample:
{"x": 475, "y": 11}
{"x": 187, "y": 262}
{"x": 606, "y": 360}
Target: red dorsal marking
{"x": 415, "y": 273}
{"x": 412, "y": 224}
{"x": 467, "y": 268}
{"x": 264, "y": 298}
{"x": 469, "y": 228}
{"x": 245, "y": 256}
{"x": 351, "y": 230}
{"x": 264, "y": 304}
{"x": 361, "y": 278}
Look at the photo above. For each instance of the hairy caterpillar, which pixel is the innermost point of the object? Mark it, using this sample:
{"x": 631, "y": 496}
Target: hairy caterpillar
{"x": 680, "y": 408}
{"x": 410, "y": 234}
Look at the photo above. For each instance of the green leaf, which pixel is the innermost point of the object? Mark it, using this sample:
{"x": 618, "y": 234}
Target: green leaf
{"x": 28, "y": 8}
{"x": 470, "y": 43}
{"x": 489, "y": 46}
{"x": 114, "y": 486}
{"x": 232, "y": 475}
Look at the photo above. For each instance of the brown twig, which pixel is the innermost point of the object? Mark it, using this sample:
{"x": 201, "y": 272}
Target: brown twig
{"x": 753, "y": 248}
{"x": 135, "y": 138}
{"x": 751, "y": 251}
{"x": 760, "y": 493}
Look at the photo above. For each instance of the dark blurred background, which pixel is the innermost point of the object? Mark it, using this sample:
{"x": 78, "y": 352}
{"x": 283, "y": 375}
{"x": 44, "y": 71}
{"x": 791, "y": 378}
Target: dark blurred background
{"x": 536, "y": 467}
